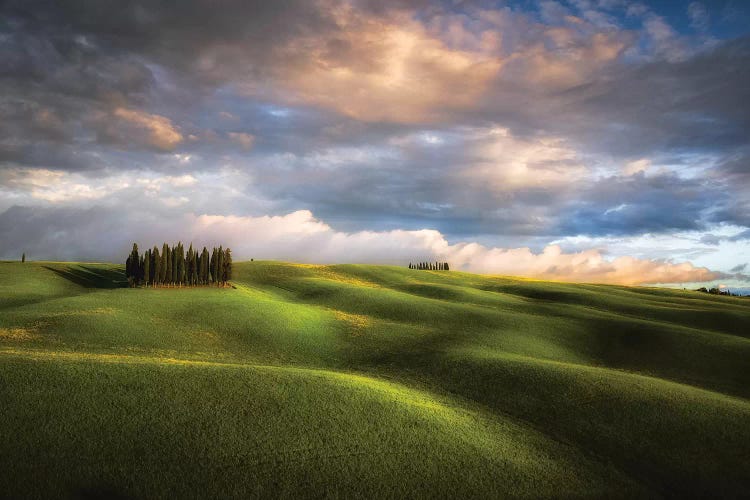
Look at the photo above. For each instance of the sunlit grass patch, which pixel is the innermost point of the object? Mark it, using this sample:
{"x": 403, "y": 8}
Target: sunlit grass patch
{"x": 97, "y": 311}
{"x": 19, "y": 334}
{"x": 329, "y": 274}
{"x": 357, "y": 323}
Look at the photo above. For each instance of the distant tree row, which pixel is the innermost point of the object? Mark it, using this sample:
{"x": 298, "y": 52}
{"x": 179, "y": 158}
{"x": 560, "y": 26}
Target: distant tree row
{"x": 174, "y": 267}
{"x": 716, "y": 291}
{"x": 430, "y": 266}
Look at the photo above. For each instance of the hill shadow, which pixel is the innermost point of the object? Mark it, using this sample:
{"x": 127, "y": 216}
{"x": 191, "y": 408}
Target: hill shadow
{"x": 92, "y": 277}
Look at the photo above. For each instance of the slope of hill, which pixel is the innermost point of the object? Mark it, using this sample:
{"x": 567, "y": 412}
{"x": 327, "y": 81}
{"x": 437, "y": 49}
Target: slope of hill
{"x": 357, "y": 380}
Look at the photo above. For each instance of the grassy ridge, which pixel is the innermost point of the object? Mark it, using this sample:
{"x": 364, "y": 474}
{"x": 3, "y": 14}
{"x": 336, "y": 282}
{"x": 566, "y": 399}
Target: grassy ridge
{"x": 356, "y": 380}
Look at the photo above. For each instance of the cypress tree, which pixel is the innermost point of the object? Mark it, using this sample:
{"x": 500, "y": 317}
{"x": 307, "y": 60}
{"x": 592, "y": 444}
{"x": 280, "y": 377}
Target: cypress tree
{"x": 179, "y": 264}
{"x": 213, "y": 265}
{"x": 204, "y": 266}
{"x": 163, "y": 270}
{"x": 189, "y": 265}
{"x": 202, "y": 259}
{"x": 446, "y": 267}
{"x": 183, "y": 266}
{"x": 194, "y": 268}
{"x": 156, "y": 268}
{"x": 132, "y": 266}
{"x": 198, "y": 267}
{"x": 227, "y": 264}
{"x": 220, "y": 266}
{"x": 173, "y": 256}
{"x": 146, "y": 267}
{"x": 168, "y": 268}
{"x": 23, "y": 257}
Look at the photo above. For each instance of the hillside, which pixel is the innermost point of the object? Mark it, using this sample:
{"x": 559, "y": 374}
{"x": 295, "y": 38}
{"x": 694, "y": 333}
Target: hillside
{"x": 355, "y": 380}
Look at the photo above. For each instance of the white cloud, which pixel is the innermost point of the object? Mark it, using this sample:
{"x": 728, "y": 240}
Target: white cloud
{"x": 634, "y": 167}
{"x": 506, "y": 162}
{"x": 156, "y": 184}
{"x": 52, "y": 186}
{"x": 299, "y": 236}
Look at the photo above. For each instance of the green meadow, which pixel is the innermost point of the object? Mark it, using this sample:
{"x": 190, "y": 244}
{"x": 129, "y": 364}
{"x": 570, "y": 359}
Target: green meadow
{"x": 367, "y": 381}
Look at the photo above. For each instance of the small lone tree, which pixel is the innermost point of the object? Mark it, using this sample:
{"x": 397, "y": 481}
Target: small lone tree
{"x": 23, "y": 257}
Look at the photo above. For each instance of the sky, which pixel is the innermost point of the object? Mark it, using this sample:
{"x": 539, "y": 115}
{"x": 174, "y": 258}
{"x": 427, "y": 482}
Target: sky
{"x": 577, "y": 140}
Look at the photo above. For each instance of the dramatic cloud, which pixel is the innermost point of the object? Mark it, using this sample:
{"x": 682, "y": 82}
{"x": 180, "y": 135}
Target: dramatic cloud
{"x": 504, "y": 129}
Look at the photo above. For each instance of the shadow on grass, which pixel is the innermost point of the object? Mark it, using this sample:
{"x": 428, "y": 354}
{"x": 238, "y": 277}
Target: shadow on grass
{"x": 99, "y": 492}
{"x": 92, "y": 277}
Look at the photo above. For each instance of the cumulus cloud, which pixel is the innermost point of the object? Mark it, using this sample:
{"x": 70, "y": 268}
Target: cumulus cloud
{"x": 506, "y": 163}
{"x": 393, "y": 70}
{"x": 56, "y": 187}
{"x": 299, "y": 236}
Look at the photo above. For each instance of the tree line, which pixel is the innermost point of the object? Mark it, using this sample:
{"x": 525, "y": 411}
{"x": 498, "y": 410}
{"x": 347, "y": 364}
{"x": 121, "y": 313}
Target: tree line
{"x": 717, "y": 291}
{"x": 430, "y": 266}
{"x": 174, "y": 267}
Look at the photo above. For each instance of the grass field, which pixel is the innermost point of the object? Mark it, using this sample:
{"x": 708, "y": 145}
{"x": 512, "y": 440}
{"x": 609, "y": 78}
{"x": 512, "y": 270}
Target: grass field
{"x": 360, "y": 381}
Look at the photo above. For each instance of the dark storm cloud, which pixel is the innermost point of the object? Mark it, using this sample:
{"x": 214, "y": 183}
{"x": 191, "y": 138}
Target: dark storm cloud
{"x": 695, "y": 105}
{"x": 640, "y": 204}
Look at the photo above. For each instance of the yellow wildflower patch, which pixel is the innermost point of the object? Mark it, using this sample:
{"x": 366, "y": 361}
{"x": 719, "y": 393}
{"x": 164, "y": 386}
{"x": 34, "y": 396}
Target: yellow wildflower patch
{"x": 357, "y": 322}
{"x": 18, "y": 333}
{"x": 99, "y": 311}
{"x": 342, "y": 278}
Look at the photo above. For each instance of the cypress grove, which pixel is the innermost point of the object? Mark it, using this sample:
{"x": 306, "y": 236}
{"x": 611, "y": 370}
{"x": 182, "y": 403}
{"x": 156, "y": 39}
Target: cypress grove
{"x": 430, "y": 266}
{"x": 174, "y": 267}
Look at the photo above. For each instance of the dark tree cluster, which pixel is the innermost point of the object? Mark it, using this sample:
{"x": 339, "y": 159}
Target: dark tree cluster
{"x": 175, "y": 267}
{"x": 430, "y": 266}
{"x": 716, "y": 291}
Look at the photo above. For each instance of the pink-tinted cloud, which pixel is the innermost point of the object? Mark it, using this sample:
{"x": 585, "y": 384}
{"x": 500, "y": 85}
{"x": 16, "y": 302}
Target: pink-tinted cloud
{"x": 300, "y": 236}
{"x": 141, "y": 127}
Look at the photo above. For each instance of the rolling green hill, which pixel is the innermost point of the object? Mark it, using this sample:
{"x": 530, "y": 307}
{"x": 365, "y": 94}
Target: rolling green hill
{"x": 354, "y": 380}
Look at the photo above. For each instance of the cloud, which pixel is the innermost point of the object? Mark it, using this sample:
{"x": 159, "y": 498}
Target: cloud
{"x": 43, "y": 185}
{"x": 699, "y": 17}
{"x": 507, "y": 163}
{"x": 640, "y": 204}
{"x": 489, "y": 123}
{"x": 134, "y": 128}
{"x": 584, "y": 266}
{"x": 299, "y": 236}
{"x": 243, "y": 139}
{"x": 378, "y": 70}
